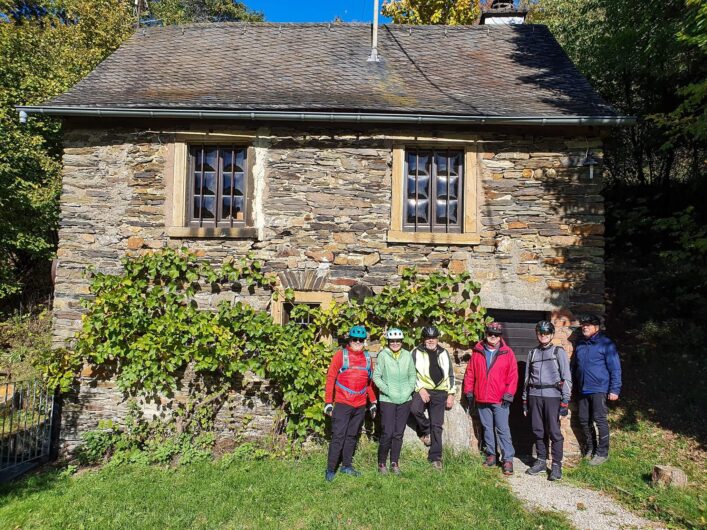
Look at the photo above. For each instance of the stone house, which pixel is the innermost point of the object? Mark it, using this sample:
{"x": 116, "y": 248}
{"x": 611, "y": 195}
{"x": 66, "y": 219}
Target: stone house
{"x": 461, "y": 148}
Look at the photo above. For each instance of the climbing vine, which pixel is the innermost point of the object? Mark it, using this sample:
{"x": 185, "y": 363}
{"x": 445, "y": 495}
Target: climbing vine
{"x": 146, "y": 326}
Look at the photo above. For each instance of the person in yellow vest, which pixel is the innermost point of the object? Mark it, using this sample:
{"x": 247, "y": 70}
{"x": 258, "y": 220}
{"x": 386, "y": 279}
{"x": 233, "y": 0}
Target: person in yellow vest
{"x": 434, "y": 391}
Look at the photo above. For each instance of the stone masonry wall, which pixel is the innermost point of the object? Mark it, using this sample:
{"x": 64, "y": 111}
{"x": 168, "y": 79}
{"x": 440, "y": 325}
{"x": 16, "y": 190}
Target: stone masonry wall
{"x": 322, "y": 210}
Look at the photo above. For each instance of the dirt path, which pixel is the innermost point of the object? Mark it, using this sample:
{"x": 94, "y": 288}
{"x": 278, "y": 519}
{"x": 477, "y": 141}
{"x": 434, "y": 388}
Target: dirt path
{"x": 587, "y": 509}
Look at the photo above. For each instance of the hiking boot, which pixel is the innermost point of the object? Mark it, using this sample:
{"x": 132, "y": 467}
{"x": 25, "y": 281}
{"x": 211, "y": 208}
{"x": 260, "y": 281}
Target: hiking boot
{"x": 555, "y": 472}
{"x": 329, "y": 475}
{"x": 588, "y": 453}
{"x": 382, "y": 469}
{"x": 540, "y": 466}
{"x": 395, "y": 468}
{"x": 349, "y": 470}
{"x": 508, "y": 468}
{"x": 426, "y": 440}
{"x": 436, "y": 465}
{"x": 598, "y": 460}
{"x": 490, "y": 461}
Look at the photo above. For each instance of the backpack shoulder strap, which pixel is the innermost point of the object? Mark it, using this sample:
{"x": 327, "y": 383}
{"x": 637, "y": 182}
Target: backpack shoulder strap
{"x": 368, "y": 362}
{"x": 345, "y": 362}
{"x": 557, "y": 361}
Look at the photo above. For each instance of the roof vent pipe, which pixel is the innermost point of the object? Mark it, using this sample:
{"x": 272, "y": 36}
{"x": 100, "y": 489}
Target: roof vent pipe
{"x": 374, "y": 44}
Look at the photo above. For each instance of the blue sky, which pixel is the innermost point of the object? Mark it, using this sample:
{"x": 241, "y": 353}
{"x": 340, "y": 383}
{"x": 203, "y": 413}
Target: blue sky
{"x": 315, "y": 10}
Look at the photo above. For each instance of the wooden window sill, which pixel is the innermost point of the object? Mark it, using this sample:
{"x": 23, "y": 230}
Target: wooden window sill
{"x": 396, "y": 236}
{"x": 188, "y": 232}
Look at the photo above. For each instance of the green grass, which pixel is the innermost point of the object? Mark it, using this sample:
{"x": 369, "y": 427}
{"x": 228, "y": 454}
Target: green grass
{"x": 285, "y": 493}
{"x": 635, "y": 449}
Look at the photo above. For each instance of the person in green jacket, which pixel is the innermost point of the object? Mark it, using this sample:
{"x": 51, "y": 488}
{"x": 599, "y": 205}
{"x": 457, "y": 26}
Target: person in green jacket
{"x": 395, "y": 377}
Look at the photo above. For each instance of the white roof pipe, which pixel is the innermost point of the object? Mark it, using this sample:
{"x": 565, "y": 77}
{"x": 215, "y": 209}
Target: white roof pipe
{"x": 359, "y": 117}
{"x": 374, "y": 44}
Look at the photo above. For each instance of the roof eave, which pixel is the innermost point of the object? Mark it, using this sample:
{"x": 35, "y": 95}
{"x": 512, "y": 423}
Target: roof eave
{"x": 332, "y": 117}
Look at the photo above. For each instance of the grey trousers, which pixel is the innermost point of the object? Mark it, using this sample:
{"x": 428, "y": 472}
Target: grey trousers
{"x": 494, "y": 419}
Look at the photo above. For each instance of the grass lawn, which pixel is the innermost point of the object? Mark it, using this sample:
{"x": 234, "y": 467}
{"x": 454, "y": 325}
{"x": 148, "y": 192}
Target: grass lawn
{"x": 284, "y": 493}
{"x": 637, "y": 446}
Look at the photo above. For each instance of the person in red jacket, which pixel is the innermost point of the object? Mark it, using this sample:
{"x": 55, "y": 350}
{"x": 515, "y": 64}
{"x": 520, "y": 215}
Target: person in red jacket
{"x": 490, "y": 380}
{"x": 348, "y": 389}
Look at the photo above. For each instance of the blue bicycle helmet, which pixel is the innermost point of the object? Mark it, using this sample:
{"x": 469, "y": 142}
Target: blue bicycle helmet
{"x": 358, "y": 332}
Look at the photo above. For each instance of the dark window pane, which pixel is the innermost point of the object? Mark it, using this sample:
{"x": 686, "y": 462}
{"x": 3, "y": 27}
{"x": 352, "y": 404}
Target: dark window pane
{"x": 227, "y": 155}
{"x": 226, "y": 205}
{"x": 198, "y": 159}
{"x": 197, "y": 207}
{"x": 442, "y": 187}
{"x": 239, "y": 185}
{"x": 210, "y": 161}
{"x": 197, "y": 183}
{"x": 209, "y": 186}
{"x": 240, "y": 160}
{"x": 419, "y": 164}
{"x": 441, "y": 162}
{"x": 227, "y": 184}
{"x": 238, "y": 210}
{"x": 423, "y": 187}
{"x": 441, "y": 212}
{"x": 455, "y": 163}
{"x": 208, "y": 208}
{"x": 418, "y": 211}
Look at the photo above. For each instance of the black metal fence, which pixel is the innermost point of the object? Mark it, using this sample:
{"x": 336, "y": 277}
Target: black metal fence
{"x": 26, "y": 413}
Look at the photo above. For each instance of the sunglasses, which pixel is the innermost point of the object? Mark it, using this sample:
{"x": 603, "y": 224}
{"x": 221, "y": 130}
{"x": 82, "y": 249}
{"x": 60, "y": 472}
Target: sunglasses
{"x": 356, "y": 340}
{"x": 395, "y": 341}
{"x": 494, "y": 334}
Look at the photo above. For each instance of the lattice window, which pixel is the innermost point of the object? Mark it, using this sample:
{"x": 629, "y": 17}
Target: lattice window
{"x": 218, "y": 187}
{"x": 433, "y": 190}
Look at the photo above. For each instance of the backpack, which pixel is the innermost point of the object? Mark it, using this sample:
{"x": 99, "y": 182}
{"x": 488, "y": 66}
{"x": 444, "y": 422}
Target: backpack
{"x": 557, "y": 385}
{"x": 345, "y": 367}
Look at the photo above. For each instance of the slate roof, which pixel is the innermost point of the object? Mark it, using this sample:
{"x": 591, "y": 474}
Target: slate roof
{"x": 443, "y": 70}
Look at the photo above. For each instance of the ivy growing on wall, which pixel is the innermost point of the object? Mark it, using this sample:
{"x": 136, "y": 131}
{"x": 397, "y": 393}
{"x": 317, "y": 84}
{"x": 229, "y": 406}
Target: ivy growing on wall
{"x": 146, "y": 326}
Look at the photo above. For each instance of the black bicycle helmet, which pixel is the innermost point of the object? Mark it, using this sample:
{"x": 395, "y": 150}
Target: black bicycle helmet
{"x": 545, "y": 327}
{"x": 430, "y": 332}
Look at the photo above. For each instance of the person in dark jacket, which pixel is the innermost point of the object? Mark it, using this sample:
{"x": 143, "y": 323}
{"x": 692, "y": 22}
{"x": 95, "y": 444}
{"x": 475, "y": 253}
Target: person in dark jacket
{"x": 596, "y": 371}
{"x": 491, "y": 380}
{"x": 348, "y": 390}
{"x": 546, "y": 395}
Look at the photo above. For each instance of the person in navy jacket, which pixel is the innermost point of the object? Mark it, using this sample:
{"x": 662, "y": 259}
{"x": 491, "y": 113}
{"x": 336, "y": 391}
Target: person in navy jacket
{"x": 596, "y": 372}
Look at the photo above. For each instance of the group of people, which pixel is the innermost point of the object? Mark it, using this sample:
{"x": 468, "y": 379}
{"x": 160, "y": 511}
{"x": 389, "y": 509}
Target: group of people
{"x": 420, "y": 384}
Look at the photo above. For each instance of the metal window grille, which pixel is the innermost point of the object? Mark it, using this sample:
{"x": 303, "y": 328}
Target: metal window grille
{"x": 219, "y": 182}
{"x": 301, "y": 320}
{"x": 433, "y": 190}
{"x": 26, "y": 414}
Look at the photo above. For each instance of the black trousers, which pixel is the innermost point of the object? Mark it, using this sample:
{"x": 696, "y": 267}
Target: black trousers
{"x": 346, "y": 424}
{"x": 394, "y": 419}
{"x": 545, "y": 421}
{"x": 592, "y": 410}
{"x": 433, "y": 425}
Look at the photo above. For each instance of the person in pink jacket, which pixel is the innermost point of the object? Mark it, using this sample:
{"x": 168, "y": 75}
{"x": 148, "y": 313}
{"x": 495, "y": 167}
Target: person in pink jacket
{"x": 490, "y": 381}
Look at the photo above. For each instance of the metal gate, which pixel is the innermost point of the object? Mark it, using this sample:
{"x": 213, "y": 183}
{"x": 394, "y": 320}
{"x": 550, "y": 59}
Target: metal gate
{"x": 26, "y": 413}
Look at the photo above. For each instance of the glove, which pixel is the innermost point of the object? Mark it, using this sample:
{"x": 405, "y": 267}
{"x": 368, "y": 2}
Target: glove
{"x": 507, "y": 400}
{"x": 563, "y": 409}
{"x": 328, "y": 409}
{"x": 525, "y": 407}
{"x": 373, "y": 409}
{"x": 470, "y": 399}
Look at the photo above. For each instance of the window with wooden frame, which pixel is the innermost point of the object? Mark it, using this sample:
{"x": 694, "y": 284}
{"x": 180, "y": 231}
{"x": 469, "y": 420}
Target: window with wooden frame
{"x": 218, "y": 188}
{"x": 434, "y": 195}
{"x": 212, "y": 190}
{"x": 282, "y": 310}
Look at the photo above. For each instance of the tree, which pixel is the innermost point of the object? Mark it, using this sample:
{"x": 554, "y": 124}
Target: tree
{"x": 645, "y": 59}
{"x": 452, "y": 12}
{"x": 170, "y": 12}
{"x": 46, "y": 46}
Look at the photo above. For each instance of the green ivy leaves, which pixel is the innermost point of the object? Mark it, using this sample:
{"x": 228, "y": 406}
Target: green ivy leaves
{"x": 145, "y": 325}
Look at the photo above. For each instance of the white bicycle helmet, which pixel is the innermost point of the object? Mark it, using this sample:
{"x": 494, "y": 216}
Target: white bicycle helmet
{"x": 394, "y": 334}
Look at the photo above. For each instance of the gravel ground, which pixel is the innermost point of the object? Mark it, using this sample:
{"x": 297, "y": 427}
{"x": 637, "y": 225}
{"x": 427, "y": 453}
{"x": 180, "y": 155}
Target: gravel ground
{"x": 587, "y": 509}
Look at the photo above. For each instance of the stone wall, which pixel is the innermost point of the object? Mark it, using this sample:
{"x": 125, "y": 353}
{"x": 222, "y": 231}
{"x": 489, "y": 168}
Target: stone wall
{"x": 322, "y": 209}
